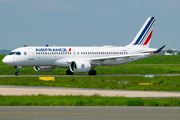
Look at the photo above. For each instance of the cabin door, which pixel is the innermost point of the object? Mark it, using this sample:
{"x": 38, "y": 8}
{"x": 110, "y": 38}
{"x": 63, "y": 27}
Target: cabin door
{"x": 31, "y": 54}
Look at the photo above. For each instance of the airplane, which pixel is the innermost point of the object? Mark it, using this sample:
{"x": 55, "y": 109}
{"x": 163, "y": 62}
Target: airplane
{"x": 83, "y": 59}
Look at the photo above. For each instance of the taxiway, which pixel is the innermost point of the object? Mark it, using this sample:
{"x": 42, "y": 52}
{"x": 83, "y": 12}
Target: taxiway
{"x": 35, "y": 90}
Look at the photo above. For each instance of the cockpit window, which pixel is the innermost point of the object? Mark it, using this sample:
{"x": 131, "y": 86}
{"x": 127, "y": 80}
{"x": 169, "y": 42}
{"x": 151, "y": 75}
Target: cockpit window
{"x": 18, "y": 53}
{"x": 11, "y": 53}
{"x": 15, "y": 53}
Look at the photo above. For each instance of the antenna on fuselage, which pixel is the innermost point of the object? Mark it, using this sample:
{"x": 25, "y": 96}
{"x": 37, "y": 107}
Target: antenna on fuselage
{"x": 47, "y": 45}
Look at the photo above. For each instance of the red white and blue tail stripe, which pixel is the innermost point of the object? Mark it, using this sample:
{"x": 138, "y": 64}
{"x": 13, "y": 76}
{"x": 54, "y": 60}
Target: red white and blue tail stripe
{"x": 144, "y": 35}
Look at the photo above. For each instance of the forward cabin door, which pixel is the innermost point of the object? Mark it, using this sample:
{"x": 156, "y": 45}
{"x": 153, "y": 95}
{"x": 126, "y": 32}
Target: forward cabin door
{"x": 31, "y": 54}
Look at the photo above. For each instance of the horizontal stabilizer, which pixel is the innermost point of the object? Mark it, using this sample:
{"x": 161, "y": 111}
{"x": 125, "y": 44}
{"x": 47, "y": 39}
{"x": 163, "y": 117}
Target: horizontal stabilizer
{"x": 159, "y": 50}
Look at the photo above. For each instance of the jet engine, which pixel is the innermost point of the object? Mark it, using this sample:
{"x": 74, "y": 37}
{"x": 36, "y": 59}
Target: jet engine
{"x": 43, "y": 68}
{"x": 80, "y": 66}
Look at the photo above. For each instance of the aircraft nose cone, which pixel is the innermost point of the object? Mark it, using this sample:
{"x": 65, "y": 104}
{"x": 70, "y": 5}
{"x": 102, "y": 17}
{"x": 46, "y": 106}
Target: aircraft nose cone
{"x": 7, "y": 61}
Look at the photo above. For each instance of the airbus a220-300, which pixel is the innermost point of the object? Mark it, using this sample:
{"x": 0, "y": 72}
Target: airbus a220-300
{"x": 84, "y": 59}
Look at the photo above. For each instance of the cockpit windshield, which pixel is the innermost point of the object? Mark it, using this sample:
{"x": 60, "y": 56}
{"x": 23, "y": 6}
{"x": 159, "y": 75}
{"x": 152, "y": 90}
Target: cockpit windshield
{"x": 15, "y": 53}
{"x": 12, "y": 53}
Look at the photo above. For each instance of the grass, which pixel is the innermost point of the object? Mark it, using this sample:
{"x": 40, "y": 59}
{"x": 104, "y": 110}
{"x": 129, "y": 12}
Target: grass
{"x": 80, "y": 100}
{"x": 160, "y": 59}
{"x": 165, "y": 83}
{"x": 151, "y": 65}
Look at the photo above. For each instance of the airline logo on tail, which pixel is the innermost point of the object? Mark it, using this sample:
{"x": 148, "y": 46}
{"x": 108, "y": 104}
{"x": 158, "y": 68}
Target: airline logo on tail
{"x": 145, "y": 33}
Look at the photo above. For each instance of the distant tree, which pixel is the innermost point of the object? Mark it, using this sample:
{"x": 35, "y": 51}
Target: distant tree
{"x": 170, "y": 51}
{"x": 178, "y": 53}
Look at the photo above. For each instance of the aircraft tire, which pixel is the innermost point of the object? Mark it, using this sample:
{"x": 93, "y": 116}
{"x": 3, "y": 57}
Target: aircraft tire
{"x": 17, "y": 73}
{"x": 68, "y": 72}
{"x": 92, "y": 72}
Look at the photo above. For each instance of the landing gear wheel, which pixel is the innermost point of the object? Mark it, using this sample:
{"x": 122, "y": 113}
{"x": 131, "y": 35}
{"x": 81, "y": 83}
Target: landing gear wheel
{"x": 17, "y": 73}
{"x": 92, "y": 72}
{"x": 68, "y": 72}
{"x": 17, "y": 70}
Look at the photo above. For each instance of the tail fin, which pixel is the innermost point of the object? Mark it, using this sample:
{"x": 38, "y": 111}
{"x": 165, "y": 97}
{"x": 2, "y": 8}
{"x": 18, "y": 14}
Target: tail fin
{"x": 143, "y": 37}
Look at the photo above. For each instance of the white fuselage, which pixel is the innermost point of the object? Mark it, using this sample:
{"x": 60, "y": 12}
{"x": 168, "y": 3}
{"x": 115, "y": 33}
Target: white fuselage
{"x": 60, "y": 56}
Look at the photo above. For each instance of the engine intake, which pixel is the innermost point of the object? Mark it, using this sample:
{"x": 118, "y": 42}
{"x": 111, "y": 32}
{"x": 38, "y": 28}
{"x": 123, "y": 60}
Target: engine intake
{"x": 43, "y": 68}
{"x": 80, "y": 66}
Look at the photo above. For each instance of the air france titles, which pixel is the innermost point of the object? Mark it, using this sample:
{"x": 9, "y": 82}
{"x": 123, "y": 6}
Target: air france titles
{"x": 51, "y": 49}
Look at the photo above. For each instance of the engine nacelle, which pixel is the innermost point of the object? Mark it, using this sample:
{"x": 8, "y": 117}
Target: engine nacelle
{"x": 80, "y": 66}
{"x": 43, "y": 68}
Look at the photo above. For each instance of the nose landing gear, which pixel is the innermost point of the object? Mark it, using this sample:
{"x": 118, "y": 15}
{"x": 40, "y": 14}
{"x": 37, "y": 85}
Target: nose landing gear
{"x": 17, "y": 70}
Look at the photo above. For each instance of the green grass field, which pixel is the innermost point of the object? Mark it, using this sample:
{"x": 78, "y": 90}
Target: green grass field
{"x": 151, "y": 65}
{"x": 165, "y": 83}
{"x": 95, "y": 100}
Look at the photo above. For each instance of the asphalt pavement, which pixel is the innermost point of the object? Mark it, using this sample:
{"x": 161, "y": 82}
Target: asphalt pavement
{"x": 88, "y": 113}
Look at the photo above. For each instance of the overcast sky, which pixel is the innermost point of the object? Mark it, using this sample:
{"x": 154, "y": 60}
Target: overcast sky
{"x": 86, "y": 22}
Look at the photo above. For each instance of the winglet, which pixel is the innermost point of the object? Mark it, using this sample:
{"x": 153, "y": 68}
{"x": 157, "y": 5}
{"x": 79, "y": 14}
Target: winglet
{"x": 159, "y": 50}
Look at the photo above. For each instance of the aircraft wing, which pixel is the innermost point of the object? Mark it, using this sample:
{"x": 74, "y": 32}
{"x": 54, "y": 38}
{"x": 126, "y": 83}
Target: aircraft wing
{"x": 116, "y": 57}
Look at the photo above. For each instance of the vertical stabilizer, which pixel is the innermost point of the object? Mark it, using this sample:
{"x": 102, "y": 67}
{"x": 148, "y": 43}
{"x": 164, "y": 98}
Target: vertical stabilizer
{"x": 143, "y": 37}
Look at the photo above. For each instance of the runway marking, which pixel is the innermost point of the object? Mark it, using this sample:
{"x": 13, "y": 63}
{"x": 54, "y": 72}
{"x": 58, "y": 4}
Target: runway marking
{"x": 41, "y": 113}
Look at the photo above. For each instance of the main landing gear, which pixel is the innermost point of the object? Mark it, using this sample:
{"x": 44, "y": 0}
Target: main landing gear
{"x": 92, "y": 72}
{"x": 17, "y": 70}
{"x": 68, "y": 72}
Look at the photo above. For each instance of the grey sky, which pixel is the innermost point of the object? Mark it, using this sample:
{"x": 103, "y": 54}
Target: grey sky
{"x": 86, "y": 22}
